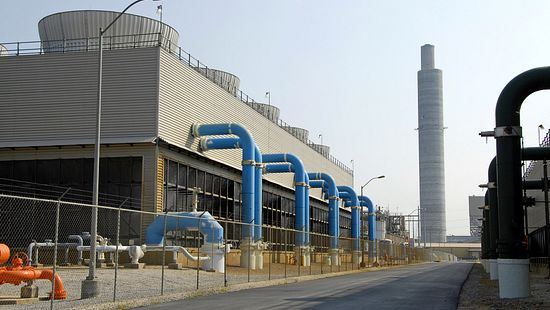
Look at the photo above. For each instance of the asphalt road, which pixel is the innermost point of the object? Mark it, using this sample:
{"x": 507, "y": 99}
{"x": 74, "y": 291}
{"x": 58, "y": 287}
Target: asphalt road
{"x": 425, "y": 286}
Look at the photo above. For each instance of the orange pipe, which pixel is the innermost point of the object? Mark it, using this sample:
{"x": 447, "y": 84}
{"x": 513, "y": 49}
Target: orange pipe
{"x": 22, "y": 275}
{"x": 4, "y": 253}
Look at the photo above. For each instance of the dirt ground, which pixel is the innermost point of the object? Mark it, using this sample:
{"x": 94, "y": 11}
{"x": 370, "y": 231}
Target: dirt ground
{"x": 479, "y": 292}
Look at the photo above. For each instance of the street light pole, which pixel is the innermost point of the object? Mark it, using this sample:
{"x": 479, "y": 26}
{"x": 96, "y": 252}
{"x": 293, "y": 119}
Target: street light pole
{"x": 541, "y": 127}
{"x": 363, "y": 222}
{"x": 90, "y": 286}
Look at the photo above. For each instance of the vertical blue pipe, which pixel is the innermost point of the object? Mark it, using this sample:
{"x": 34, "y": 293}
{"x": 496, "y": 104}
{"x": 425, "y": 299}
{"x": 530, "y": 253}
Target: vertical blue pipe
{"x": 371, "y": 218}
{"x": 258, "y": 194}
{"x": 300, "y": 185}
{"x": 333, "y": 208}
{"x": 351, "y": 196}
{"x": 307, "y": 209}
{"x": 248, "y": 163}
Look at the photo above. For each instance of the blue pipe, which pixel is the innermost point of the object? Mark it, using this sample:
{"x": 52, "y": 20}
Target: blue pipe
{"x": 247, "y": 144}
{"x": 372, "y": 216}
{"x": 307, "y": 210}
{"x": 349, "y": 194}
{"x": 279, "y": 168}
{"x": 201, "y": 221}
{"x": 229, "y": 143}
{"x": 258, "y": 191}
{"x": 300, "y": 184}
{"x": 333, "y": 208}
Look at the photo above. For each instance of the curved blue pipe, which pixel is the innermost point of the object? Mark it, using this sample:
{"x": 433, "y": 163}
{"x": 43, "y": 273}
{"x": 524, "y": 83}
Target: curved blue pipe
{"x": 247, "y": 144}
{"x": 201, "y": 221}
{"x": 355, "y": 213}
{"x": 372, "y": 216}
{"x": 333, "y": 208}
{"x": 231, "y": 143}
{"x": 300, "y": 185}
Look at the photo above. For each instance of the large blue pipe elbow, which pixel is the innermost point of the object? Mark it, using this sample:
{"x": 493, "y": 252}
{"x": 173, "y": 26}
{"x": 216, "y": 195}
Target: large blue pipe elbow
{"x": 371, "y": 218}
{"x": 192, "y": 221}
{"x": 300, "y": 186}
{"x": 247, "y": 144}
{"x": 333, "y": 208}
{"x": 351, "y": 196}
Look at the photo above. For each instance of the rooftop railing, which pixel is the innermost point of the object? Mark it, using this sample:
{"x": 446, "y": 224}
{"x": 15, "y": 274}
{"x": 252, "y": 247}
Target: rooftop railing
{"x": 143, "y": 41}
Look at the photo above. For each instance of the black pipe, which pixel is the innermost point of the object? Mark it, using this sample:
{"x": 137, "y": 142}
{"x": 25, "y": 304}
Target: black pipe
{"x": 535, "y": 153}
{"x": 493, "y": 208}
{"x": 485, "y": 231}
{"x": 508, "y": 140}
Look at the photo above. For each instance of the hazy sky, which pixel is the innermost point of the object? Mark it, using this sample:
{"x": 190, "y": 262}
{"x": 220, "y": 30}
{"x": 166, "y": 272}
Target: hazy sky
{"x": 347, "y": 70}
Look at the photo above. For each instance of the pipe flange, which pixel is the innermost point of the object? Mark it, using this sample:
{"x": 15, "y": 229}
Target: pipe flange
{"x": 304, "y": 184}
{"x": 195, "y": 130}
{"x": 260, "y": 165}
{"x": 333, "y": 197}
{"x": 491, "y": 185}
{"x": 249, "y": 162}
{"x": 508, "y": 131}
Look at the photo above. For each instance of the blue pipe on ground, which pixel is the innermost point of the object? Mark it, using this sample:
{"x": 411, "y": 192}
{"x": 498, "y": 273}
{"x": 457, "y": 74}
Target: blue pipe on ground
{"x": 300, "y": 186}
{"x": 355, "y": 217}
{"x": 204, "y": 222}
{"x": 247, "y": 144}
{"x": 372, "y": 216}
{"x": 333, "y": 208}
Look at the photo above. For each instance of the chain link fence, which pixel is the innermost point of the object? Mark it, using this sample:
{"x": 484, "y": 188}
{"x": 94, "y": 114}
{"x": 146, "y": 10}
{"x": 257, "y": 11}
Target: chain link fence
{"x": 188, "y": 253}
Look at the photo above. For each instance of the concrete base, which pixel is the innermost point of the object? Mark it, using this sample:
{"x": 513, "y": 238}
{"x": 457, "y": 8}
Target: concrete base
{"x": 29, "y": 291}
{"x": 217, "y": 257}
{"x": 89, "y": 289}
{"x": 176, "y": 266}
{"x": 493, "y": 269}
{"x": 513, "y": 278}
{"x": 334, "y": 257}
{"x": 134, "y": 265}
{"x": 248, "y": 259}
{"x": 356, "y": 257}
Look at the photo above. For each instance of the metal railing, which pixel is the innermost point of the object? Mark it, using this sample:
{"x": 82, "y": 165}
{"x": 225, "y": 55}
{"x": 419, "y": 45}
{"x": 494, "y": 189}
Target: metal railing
{"x": 144, "y": 41}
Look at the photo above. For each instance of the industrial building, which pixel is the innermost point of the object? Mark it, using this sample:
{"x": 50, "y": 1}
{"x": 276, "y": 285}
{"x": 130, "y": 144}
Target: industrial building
{"x": 430, "y": 148}
{"x": 153, "y": 91}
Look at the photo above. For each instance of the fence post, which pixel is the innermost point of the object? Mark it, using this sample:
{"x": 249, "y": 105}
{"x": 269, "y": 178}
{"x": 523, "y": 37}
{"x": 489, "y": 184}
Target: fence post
{"x": 163, "y": 254}
{"x": 199, "y": 246}
{"x": 56, "y": 238}
{"x": 286, "y": 250}
{"x": 270, "y": 251}
{"x": 225, "y": 254}
{"x": 116, "y": 247}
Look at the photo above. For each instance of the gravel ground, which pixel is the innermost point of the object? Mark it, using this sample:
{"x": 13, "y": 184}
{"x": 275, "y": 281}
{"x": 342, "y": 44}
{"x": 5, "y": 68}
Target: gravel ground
{"x": 136, "y": 287}
{"x": 479, "y": 292}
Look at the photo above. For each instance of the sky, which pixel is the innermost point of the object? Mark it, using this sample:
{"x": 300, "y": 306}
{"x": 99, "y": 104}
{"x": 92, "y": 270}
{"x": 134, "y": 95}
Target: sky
{"x": 347, "y": 70}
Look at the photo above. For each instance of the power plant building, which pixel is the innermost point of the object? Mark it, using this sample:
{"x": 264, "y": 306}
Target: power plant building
{"x": 430, "y": 148}
{"x": 153, "y": 91}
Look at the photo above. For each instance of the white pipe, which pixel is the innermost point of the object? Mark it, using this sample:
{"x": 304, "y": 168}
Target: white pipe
{"x": 174, "y": 249}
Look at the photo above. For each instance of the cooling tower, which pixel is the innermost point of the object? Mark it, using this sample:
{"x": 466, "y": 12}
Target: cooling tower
{"x": 430, "y": 148}
{"x": 300, "y": 133}
{"x": 269, "y": 111}
{"x": 226, "y": 80}
{"x": 79, "y": 30}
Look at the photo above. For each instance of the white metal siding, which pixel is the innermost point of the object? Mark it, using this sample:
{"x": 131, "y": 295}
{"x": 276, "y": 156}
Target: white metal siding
{"x": 52, "y": 99}
{"x": 187, "y": 97}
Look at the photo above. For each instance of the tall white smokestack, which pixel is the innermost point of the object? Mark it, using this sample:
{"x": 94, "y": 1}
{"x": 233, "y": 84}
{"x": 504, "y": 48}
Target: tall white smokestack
{"x": 430, "y": 148}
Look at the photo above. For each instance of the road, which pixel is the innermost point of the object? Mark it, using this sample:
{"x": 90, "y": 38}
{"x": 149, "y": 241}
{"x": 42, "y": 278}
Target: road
{"x": 425, "y": 286}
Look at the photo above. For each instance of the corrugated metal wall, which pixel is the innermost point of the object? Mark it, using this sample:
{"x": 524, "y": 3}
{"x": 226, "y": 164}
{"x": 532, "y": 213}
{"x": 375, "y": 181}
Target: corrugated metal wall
{"x": 52, "y": 99}
{"x": 187, "y": 97}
